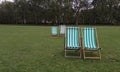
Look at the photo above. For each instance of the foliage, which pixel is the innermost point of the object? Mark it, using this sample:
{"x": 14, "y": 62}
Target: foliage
{"x": 60, "y": 11}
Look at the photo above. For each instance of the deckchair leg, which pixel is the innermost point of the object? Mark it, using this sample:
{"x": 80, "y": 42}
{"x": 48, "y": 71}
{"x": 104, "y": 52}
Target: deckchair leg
{"x": 72, "y": 56}
{"x": 61, "y": 35}
{"x": 83, "y": 54}
{"x": 95, "y": 57}
{"x": 99, "y": 54}
{"x": 54, "y": 36}
{"x": 80, "y": 53}
{"x": 65, "y": 53}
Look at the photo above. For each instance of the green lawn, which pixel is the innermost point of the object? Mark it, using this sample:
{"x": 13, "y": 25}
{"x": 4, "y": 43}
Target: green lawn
{"x": 31, "y": 49}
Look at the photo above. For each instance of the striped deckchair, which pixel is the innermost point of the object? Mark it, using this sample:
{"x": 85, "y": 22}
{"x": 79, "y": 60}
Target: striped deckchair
{"x": 72, "y": 42}
{"x": 62, "y": 30}
{"x": 90, "y": 43}
{"x": 54, "y": 31}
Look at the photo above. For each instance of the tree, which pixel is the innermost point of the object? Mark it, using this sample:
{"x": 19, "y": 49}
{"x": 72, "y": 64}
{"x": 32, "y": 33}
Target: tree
{"x": 60, "y": 11}
{"x": 105, "y": 10}
{"x": 7, "y": 12}
{"x": 78, "y": 6}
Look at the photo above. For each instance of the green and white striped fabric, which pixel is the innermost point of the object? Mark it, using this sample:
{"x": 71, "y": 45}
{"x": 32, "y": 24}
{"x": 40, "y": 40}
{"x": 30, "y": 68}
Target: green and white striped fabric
{"x": 89, "y": 38}
{"x": 72, "y": 35}
{"x": 54, "y": 30}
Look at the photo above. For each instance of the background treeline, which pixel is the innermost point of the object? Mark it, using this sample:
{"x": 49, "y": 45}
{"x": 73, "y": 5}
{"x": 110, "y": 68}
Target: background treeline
{"x": 60, "y": 12}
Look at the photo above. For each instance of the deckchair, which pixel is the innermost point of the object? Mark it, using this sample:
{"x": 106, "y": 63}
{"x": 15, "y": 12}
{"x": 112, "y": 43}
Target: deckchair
{"x": 90, "y": 44}
{"x": 54, "y": 31}
{"x": 72, "y": 42}
{"x": 62, "y": 30}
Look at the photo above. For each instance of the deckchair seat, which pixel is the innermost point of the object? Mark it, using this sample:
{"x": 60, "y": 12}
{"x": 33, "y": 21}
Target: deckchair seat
{"x": 72, "y": 38}
{"x": 90, "y": 39}
{"x": 54, "y": 30}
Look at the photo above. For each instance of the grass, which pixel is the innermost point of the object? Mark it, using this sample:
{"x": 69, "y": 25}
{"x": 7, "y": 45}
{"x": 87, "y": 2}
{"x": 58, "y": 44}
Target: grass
{"x": 31, "y": 49}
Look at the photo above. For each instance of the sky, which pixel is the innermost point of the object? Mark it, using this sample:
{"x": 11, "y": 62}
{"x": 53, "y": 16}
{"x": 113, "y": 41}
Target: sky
{"x": 6, "y": 0}
{"x": 90, "y": 1}
{"x": 12, "y": 0}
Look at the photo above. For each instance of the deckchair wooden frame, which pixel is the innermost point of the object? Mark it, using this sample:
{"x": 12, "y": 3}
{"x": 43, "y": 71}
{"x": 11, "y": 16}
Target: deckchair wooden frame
{"x": 71, "y": 50}
{"x": 84, "y": 51}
